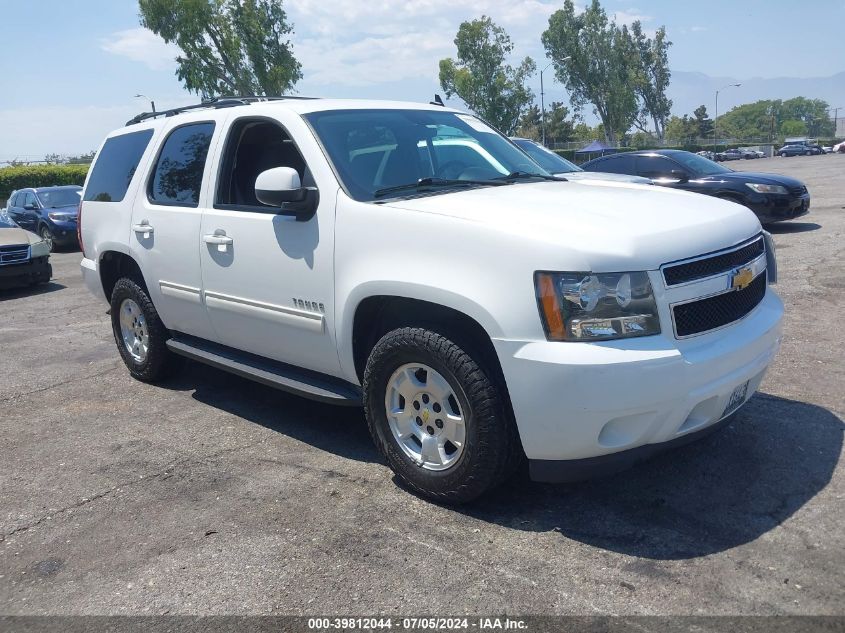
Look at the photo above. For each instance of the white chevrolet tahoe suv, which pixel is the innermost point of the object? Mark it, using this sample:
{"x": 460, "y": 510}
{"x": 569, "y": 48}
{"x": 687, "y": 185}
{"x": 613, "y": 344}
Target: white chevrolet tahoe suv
{"x": 481, "y": 310}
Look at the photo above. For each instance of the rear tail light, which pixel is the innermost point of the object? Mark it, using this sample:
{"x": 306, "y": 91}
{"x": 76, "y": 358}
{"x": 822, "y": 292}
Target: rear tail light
{"x": 79, "y": 228}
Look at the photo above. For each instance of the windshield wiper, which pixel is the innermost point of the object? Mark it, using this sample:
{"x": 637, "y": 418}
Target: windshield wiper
{"x": 423, "y": 183}
{"x": 523, "y": 175}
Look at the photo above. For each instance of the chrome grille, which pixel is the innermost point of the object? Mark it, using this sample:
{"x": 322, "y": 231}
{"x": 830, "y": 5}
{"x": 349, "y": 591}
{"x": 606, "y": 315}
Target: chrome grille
{"x": 714, "y": 312}
{"x": 710, "y": 265}
{"x": 14, "y": 254}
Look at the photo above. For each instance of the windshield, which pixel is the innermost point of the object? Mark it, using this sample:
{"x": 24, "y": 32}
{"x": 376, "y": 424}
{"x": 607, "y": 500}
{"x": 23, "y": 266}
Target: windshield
{"x": 59, "y": 197}
{"x": 699, "y": 165}
{"x": 375, "y": 150}
{"x": 546, "y": 158}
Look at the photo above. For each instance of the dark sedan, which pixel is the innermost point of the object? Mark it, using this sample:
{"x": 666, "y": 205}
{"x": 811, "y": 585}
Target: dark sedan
{"x": 771, "y": 196}
{"x": 51, "y": 212}
{"x": 799, "y": 150}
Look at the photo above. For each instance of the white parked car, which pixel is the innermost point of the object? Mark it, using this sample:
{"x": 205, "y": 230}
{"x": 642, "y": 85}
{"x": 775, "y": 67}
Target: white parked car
{"x": 481, "y": 310}
{"x": 559, "y": 166}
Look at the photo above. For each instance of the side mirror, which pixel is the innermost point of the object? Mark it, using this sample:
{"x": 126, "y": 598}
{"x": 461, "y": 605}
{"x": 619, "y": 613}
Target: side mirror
{"x": 29, "y": 207}
{"x": 680, "y": 174}
{"x": 280, "y": 187}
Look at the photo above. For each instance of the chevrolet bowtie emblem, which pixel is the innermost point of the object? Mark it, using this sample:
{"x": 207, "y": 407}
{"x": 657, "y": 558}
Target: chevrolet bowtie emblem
{"x": 425, "y": 416}
{"x": 742, "y": 278}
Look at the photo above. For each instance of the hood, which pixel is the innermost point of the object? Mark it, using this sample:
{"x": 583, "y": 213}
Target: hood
{"x": 751, "y": 176}
{"x": 15, "y": 235}
{"x": 64, "y": 209}
{"x": 594, "y": 176}
{"x": 610, "y": 226}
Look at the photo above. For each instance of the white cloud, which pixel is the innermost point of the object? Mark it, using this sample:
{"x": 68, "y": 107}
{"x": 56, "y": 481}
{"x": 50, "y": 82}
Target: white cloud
{"x": 342, "y": 43}
{"x": 141, "y": 45}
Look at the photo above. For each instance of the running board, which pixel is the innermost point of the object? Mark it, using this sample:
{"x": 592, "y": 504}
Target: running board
{"x": 268, "y": 372}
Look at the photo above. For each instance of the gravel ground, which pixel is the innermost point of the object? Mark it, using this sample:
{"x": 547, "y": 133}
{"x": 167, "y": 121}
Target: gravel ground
{"x": 213, "y": 495}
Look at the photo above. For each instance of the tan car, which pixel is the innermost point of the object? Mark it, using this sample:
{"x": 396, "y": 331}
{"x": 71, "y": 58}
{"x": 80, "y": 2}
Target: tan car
{"x": 24, "y": 256}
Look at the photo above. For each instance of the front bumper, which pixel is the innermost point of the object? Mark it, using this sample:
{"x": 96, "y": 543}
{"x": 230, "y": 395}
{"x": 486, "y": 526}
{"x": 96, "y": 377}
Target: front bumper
{"x": 64, "y": 233}
{"x": 34, "y": 271}
{"x": 776, "y": 208}
{"x": 581, "y": 401}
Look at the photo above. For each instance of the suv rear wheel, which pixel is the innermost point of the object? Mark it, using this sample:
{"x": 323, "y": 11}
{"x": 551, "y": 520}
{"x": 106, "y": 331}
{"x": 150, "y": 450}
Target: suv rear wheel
{"x": 437, "y": 417}
{"x": 139, "y": 333}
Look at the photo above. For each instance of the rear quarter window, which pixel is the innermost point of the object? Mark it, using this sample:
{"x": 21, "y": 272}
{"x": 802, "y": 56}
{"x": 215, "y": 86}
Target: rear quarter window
{"x": 116, "y": 165}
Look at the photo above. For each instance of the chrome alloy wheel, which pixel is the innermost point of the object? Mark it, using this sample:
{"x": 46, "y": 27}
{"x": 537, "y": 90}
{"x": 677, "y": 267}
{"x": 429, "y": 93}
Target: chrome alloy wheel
{"x": 425, "y": 417}
{"x": 133, "y": 329}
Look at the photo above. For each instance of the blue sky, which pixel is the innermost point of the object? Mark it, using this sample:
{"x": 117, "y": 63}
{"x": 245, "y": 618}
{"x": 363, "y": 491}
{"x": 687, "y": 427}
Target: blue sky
{"x": 71, "y": 68}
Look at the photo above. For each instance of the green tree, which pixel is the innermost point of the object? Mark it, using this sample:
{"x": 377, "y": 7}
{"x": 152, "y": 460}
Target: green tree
{"x": 238, "y": 47}
{"x": 491, "y": 88}
{"x": 703, "y": 123}
{"x": 595, "y": 60}
{"x": 683, "y": 129}
{"x": 651, "y": 77}
{"x": 793, "y": 127}
{"x": 559, "y": 127}
{"x": 765, "y": 118}
{"x": 529, "y": 123}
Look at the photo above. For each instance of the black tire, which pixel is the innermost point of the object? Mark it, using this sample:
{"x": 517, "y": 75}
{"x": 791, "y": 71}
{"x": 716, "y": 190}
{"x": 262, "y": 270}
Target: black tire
{"x": 45, "y": 234}
{"x": 160, "y": 363}
{"x": 492, "y": 449}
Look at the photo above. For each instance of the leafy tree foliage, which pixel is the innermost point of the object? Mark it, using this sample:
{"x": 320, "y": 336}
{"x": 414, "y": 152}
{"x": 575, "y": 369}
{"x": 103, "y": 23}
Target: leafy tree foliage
{"x": 491, "y": 88}
{"x": 559, "y": 126}
{"x": 703, "y": 123}
{"x": 600, "y": 68}
{"x": 651, "y": 77}
{"x": 228, "y": 46}
{"x": 768, "y": 118}
{"x": 530, "y": 123}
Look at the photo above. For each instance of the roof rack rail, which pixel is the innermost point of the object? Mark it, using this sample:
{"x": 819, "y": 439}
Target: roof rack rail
{"x": 215, "y": 102}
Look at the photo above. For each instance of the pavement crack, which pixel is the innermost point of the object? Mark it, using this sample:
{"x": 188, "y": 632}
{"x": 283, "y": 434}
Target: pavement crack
{"x": 163, "y": 473}
{"x": 58, "y": 384}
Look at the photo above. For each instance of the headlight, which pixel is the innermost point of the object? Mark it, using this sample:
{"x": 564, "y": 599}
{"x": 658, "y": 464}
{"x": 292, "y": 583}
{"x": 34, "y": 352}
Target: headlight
{"x": 759, "y": 188}
{"x": 39, "y": 249}
{"x": 596, "y": 306}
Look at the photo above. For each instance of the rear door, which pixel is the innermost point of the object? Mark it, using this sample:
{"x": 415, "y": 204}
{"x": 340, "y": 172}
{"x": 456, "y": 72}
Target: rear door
{"x": 165, "y": 227}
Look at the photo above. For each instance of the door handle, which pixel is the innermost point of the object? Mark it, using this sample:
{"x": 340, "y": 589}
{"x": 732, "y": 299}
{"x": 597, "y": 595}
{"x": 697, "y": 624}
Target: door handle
{"x": 220, "y": 240}
{"x": 144, "y": 227}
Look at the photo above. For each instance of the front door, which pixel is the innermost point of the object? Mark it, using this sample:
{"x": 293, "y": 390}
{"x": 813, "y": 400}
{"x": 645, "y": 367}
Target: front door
{"x": 267, "y": 278}
{"x": 164, "y": 236}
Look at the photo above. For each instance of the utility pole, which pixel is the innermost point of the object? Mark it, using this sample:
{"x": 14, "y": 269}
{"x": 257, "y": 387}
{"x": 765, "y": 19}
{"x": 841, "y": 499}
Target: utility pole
{"x": 835, "y": 118}
{"x": 716, "y": 118}
{"x": 542, "y": 99}
{"x": 152, "y": 103}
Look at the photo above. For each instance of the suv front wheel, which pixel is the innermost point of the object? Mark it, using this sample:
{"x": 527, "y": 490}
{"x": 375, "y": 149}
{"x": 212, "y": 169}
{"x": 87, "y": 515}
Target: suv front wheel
{"x": 139, "y": 333}
{"x": 437, "y": 416}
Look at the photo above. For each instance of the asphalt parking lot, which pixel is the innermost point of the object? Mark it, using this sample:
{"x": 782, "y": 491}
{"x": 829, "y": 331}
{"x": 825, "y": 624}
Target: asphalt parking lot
{"x": 213, "y": 495}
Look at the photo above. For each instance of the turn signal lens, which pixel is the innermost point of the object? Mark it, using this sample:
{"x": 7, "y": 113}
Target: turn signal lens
{"x": 547, "y": 297}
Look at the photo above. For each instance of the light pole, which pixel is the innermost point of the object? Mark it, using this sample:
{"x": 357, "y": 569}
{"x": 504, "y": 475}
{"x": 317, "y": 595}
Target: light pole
{"x": 152, "y": 103}
{"x": 715, "y": 118}
{"x": 542, "y": 99}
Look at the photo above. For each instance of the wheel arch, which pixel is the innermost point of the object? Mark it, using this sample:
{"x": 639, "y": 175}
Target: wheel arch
{"x": 113, "y": 265}
{"x": 376, "y": 314}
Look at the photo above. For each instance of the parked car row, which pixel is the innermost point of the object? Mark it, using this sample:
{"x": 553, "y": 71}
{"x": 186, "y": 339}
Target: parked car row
{"x": 49, "y": 212}
{"x": 800, "y": 149}
{"x": 772, "y": 197}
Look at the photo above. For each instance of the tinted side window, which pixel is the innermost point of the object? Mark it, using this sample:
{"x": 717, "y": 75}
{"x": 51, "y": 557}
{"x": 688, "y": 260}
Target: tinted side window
{"x": 616, "y": 165}
{"x": 29, "y": 199}
{"x": 177, "y": 176}
{"x": 655, "y": 166}
{"x": 13, "y": 200}
{"x": 115, "y": 166}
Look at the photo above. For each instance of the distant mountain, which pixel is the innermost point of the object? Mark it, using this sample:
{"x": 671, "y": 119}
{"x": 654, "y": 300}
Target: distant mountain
{"x": 688, "y": 90}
